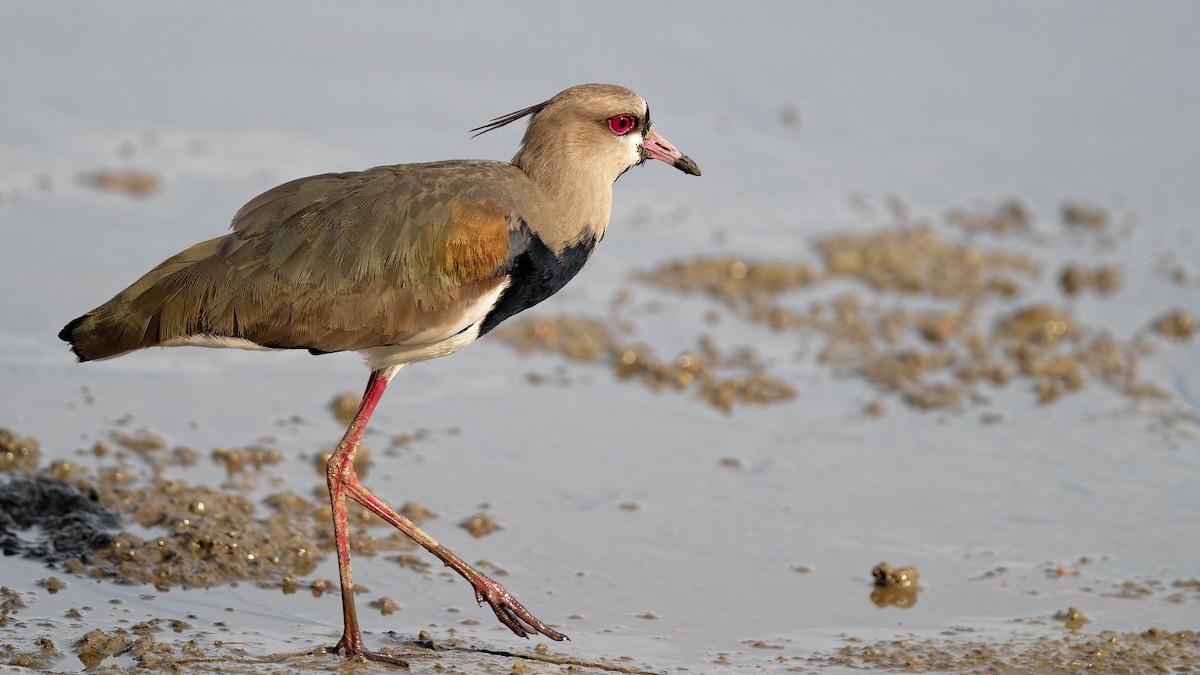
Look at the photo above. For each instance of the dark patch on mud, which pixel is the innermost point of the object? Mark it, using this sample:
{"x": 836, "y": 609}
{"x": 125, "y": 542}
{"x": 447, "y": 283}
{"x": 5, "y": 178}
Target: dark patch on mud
{"x": 52, "y": 519}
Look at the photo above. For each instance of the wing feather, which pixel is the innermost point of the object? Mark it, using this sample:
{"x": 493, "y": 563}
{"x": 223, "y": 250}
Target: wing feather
{"x": 330, "y": 263}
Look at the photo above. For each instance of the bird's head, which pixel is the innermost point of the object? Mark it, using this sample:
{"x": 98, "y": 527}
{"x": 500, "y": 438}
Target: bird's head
{"x": 603, "y": 127}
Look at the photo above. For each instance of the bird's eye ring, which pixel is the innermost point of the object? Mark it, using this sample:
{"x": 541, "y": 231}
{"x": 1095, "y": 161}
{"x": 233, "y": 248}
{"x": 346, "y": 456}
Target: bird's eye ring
{"x": 622, "y": 124}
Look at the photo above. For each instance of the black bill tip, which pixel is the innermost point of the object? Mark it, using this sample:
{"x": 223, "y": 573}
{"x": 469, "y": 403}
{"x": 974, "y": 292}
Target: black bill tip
{"x": 686, "y": 165}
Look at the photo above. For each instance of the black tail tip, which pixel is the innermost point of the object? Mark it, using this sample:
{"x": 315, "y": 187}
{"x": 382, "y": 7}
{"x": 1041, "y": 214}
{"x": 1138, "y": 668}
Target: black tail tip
{"x": 67, "y": 334}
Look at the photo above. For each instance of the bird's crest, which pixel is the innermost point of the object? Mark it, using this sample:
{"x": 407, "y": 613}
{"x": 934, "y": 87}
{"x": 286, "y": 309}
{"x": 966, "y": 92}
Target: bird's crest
{"x": 508, "y": 119}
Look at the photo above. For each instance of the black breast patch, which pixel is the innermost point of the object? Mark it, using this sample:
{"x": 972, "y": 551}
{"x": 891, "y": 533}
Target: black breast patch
{"x": 535, "y": 274}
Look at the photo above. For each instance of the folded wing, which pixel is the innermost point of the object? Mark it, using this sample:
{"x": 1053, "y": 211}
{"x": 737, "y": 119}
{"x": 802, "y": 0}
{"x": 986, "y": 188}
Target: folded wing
{"x": 336, "y": 262}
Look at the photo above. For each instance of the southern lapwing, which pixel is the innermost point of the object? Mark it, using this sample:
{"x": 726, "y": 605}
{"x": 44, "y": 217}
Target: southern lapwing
{"x": 400, "y": 263}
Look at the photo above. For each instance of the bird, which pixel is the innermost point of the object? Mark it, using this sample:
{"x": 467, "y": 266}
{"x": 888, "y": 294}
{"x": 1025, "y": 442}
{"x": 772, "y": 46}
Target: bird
{"x": 399, "y": 263}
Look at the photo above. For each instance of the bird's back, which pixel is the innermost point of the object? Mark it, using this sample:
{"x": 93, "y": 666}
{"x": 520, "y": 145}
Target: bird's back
{"x": 350, "y": 261}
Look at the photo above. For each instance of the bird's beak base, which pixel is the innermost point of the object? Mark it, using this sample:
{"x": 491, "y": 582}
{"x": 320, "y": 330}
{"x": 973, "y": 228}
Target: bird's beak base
{"x": 657, "y": 147}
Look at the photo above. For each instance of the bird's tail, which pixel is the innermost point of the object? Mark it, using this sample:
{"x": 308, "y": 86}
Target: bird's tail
{"x": 161, "y": 306}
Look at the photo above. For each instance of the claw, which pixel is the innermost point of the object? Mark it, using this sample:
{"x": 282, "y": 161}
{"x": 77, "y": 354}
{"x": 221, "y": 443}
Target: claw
{"x": 510, "y": 612}
{"x": 379, "y": 657}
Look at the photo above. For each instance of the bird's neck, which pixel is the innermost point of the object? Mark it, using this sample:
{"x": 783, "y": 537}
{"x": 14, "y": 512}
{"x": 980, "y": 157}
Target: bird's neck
{"x": 579, "y": 200}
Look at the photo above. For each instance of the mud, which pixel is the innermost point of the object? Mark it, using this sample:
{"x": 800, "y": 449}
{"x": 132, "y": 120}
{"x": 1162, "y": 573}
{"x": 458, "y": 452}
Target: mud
{"x": 1008, "y": 217}
{"x": 480, "y": 525}
{"x": 159, "y": 644}
{"x": 1076, "y": 279}
{"x": 721, "y": 378}
{"x": 133, "y": 182}
{"x": 894, "y": 586}
{"x": 938, "y": 325}
{"x": 17, "y": 453}
{"x": 204, "y": 537}
{"x": 1072, "y": 618}
{"x": 947, "y": 321}
{"x": 887, "y": 576}
{"x": 343, "y": 407}
{"x": 69, "y": 523}
{"x": 1153, "y": 650}
{"x": 1176, "y": 324}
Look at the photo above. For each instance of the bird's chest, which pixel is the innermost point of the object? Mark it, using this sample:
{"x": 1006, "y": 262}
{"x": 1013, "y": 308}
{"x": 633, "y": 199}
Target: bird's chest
{"x": 534, "y": 275}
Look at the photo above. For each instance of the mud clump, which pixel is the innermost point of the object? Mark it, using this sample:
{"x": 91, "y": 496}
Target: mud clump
{"x": 1106, "y": 652}
{"x": 10, "y": 604}
{"x": 17, "y": 454}
{"x": 240, "y": 460}
{"x": 1072, "y": 618}
{"x": 723, "y": 380}
{"x": 344, "y": 407}
{"x": 1176, "y": 324}
{"x": 894, "y": 586}
{"x": 915, "y": 260}
{"x": 1039, "y": 324}
{"x": 40, "y": 658}
{"x": 1075, "y": 279}
{"x": 1086, "y": 216}
{"x": 51, "y": 584}
{"x": 97, "y": 645}
{"x": 143, "y": 443}
{"x": 480, "y": 525}
{"x": 887, "y": 576}
{"x": 417, "y": 513}
{"x": 385, "y": 605}
{"x": 128, "y": 181}
{"x": 730, "y": 280}
{"x": 1009, "y": 217}
{"x": 71, "y": 523}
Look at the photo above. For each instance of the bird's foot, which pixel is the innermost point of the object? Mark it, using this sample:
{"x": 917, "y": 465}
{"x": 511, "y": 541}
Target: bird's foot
{"x": 359, "y": 651}
{"x": 510, "y": 612}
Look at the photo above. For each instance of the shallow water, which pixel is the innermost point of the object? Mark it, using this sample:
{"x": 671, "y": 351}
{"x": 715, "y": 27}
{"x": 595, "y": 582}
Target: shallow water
{"x": 805, "y": 120}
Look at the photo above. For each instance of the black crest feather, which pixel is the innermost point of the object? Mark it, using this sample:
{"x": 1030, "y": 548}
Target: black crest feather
{"x": 508, "y": 119}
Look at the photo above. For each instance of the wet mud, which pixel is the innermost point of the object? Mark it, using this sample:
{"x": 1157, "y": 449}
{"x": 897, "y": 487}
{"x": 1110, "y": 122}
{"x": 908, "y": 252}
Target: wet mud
{"x": 203, "y": 536}
{"x": 132, "y": 182}
{"x": 894, "y": 586}
{"x": 723, "y": 380}
{"x": 948, "y": 312}
{"x": 1150, "y": 651}
{"x": 53, "y": 520}
{"x": 943, "y": 315}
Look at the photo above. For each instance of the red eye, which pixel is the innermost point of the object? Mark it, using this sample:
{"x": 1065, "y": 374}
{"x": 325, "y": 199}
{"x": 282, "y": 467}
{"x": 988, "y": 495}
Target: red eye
{"x": 621, "y": 124}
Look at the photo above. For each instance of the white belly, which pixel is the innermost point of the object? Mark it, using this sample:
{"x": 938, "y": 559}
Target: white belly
{"x": 435, "y": 342}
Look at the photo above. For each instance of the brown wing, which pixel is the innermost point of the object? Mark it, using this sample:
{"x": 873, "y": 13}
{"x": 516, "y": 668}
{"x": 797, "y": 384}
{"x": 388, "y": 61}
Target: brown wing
{"x": 329, "y": 263}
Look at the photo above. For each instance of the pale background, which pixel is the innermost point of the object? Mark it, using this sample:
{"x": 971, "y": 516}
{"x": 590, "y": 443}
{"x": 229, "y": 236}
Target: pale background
{"x": 938, "y": 103}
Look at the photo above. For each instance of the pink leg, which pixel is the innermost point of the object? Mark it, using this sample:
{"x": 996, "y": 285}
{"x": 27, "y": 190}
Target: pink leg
{"x": 342, "y": 481}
